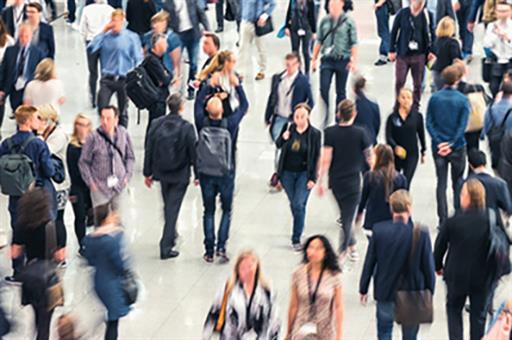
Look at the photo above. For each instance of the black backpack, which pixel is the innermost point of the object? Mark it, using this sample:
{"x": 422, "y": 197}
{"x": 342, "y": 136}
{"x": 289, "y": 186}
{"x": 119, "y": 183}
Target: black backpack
{"x": 495, "y": 136}
{"x": 214, "y": 149}
{"x": 169, "y": 153}
{"x": 140, "y": 88}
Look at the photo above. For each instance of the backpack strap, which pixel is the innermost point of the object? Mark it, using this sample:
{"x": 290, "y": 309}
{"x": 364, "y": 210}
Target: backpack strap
{"x": 224, "y": 123}
{"x": 20, "y": 148}
{"x": 506, "y": 117}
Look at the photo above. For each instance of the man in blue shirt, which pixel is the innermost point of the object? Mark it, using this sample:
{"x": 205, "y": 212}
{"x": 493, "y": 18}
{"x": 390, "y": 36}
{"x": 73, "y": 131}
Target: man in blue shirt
{"x": 120, "y": 51}
{"x": 447, "y": 117}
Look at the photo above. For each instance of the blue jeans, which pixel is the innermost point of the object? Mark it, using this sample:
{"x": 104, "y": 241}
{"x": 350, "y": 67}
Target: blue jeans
{"x": 465, "y": 35}
{"x": 385, "y": 319}
{"x": 382, "y": 14}
{"x": 328, "y": 68}
{"x": 71, "y": 10}
{"x": 191, "y": 44}
{"x": 211, "y": 186}
{"x": 295, "y": 186}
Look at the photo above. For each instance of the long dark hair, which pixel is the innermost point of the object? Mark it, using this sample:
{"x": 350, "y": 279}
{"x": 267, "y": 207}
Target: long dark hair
{"x": 384, "y": 167}
{"x": 330, "y": 259}
{"x": 33, "y": 209}
{"x": 3, "y": 33}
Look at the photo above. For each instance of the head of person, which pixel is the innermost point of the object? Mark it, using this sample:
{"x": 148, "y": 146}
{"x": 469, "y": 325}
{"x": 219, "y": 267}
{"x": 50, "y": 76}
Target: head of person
{"x": 211, "y": 44}
{"x": 472, "y": 195}
{"x": 33, "y": 209}
{"x": 301, "y": 114}
{"x": 336, "y": 8}
{"x": 461, "y": 67}
{"x": 27, "y": 118}
{"x": 82, "y": 127}
{"x": 503, "y": 10}
{"x": 48, "y": 117}
{"x": 346, "y": 111}
{"x": 109, "y": 118}
{"x": 176, "y": 104}
{"x": 214, "y": 108}
{"x": 45, "y": 70}
{"x": 405, "y": 99}
{"x": 34, "y": 10}
{"x": 359, "y": 85}
{"x": 25, "y": 33}
{"x": 226, "y": 61}
{"x": 451, "y": 75}
{"x": 159, "y": 22}
{"x": 104, "y": 215}
{"x": 19, "y": 3}
{"x": 248, "y": 269}
{"x": 318, "y": 251}
{"x": 417, "y": 5}
{"x": 445, "y": 28}
{"x": 292, "y": 63}
{"x": 400, "y": 203}
{"x": 117, "y": 19}
{"x": 3, "y": 33}
{"x": 384, "y": 167}
{"x": 476, "y": 159}
{"x": 506, "y": 88}
{"x": 159, "y": 43}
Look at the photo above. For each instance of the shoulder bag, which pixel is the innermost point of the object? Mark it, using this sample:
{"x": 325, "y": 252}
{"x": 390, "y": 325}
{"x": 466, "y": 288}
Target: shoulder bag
{"x": 265, "y": 29}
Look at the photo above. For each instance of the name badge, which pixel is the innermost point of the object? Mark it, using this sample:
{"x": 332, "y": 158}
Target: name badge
{"x": 20, "y": 83}
{"x": 413, "y": 45}
{"x": 112, "y": 181}
{"x": 308, "y": 329}
{"x": 301, "y": 32}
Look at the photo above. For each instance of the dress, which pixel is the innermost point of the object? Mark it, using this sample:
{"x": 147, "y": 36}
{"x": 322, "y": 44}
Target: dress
{"x": 325, "y": 318}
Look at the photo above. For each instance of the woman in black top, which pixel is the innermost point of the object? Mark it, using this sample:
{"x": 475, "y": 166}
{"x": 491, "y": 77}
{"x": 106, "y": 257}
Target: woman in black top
{"x": 404, "y": 128}
{"x": 300, "y": 26}
{"x": 378, "y": 185}
{"x": 446, "y": 49}
{"x": 465, "y": 236}
{"x": 300, "y": 150}
{"x": 34, "y": 211}
{"x": 79, "y": 194}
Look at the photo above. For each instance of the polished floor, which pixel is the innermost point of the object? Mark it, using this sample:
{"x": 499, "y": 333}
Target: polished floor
{"x": 177, "y": 293}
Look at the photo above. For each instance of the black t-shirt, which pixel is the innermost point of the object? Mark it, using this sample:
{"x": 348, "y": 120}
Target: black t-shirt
{"x": 348, "y": 155}
{"x": 297, "y": 152}
{"x": 419, "y": 25}
{"x": 34, "y": 241}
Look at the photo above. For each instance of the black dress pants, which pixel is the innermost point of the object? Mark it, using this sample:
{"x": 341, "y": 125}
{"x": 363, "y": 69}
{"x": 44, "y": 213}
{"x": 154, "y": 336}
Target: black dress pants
{"x": 479, "y": 301}
{"x": 407, "y": 166}
{"x": 81, "y": 200}
{"x": 43, "y": 320}
{"x": 172, "y": 194}
{"x": 112, "y": 330}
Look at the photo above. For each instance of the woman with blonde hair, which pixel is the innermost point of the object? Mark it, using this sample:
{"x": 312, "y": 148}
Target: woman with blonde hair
{"x": 79, "y": 195}
{"x": 45, "y": 88}
{"x": 446, "y": 49}
{"x": 245, "y": 307}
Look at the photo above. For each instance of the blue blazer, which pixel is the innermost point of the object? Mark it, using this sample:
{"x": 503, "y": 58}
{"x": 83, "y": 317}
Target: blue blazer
{"x": 386, "y": 259}
{"x": 8, "y": 68}
{"x": 8, "y": 18}
{"x": 368, "y": 116}
{"x": 46, "y": 40}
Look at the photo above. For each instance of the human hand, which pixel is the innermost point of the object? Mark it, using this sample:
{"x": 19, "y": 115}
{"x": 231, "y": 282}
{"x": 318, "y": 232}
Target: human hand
{"x": 363, "y": 298}
{"x": 93, "y": 187}
{"x": 359, "y": 218}
{"x": 215, "y": 79}
{"x": 148, "y": 181}
{"x": 262, "y": 21}
{"x": 320, "y": 190}
{"x": 314, "y": 65}
{"x": 2, "y": 94}
{"x": 400, "y": 152}
{"x": 471, "y": 26}
{"x": 352, "y": 66}
{"x": 392, "y": 56}
{"x": 196, "y": 83}
{"x": 440, "y": 272}
{"x": 456, "y": 6}
{"x": 431, "y": 56}
{"x": 196, "y": 182}
{"x": 108, "y": 27}
{"x": 287, "y": 32}
{"x": 286, "y": 135}
{"x": 310, "y": 185}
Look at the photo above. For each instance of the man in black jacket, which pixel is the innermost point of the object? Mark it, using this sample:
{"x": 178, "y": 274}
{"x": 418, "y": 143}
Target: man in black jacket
{"x": 153, "y": 63}
{"x": 13, "y": 16}
{"x": 169, "y": 154}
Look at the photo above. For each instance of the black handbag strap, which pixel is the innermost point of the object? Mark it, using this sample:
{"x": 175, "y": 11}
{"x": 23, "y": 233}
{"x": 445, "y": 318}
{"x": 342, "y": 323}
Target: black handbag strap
{"x": 334, "y": 28}
{"x": 109, "y": 141}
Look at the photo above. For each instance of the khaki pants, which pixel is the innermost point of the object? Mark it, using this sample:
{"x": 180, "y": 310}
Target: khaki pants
{"x": 247, "y": 39}
{"x": 98, "y": 198}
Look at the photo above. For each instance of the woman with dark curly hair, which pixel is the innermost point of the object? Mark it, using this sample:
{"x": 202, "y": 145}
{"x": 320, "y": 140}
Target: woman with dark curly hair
{"x": 316, "y": 308}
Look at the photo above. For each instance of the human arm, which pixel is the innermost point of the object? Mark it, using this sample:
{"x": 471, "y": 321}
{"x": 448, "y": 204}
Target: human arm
{"x": 284, "y": 136}
{"x": 354, "y": 53}
{"x": 82, "y": 28}
{"x": 86, "y": 162}
{"x": 129, "y": 159}
{"x": 427, "y": 262}
{"x": 421, "y": 134}
{"x": 431, "y": 123}
{"x": 96, "y": 43}
{"x": 311, "y": 17}
{"x": 390, "y": 139}
{"x": 440, "y": 247}
{"x": 51, "y": 43}
{"x": 115, "y": 254}
{"x": 325, "y": 164}
{"x": 147, "y": 169}
{"x": 504, "y": 199}
{"x": 379, "y": 4}
{"x": 364, "y": 193}
{"x": 487, "y": 122}
{"x": 338, "y": 309}
{"x": 174, "y": 44}
{"x": 314, "y": 58}
{"x": 136, "y": 48}
{"x": 241, "y": 110}
{"x": 309, "y": 96}
{"x": 199, "y": 108}
{"x": 370, "y": 262}
{"x": 46, "y": 162}
{"x": 317, "y": 145}
{"x": 288, "y": 19}
{"x": 268, "y": 8}
{"x": 394, "y": 34}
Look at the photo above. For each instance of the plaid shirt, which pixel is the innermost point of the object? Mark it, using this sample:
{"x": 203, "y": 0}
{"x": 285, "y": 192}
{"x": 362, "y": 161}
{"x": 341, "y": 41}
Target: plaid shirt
{"x": 100, "y": 159}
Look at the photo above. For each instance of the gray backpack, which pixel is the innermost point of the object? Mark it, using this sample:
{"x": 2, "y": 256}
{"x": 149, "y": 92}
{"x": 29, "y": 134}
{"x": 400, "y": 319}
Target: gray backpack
{"x": 214, "y": 150}
{"x": 17, "y": 173}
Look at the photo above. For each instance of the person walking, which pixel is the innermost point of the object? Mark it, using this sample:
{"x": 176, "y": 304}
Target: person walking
{"x": 300, "y": 143}
{"x": 368, "y": 111}
{"x": 247, "y": 294}
{"x": 412, "y": 37}
{"x": 346, "y": 151}
{"x": 104, "y": 251}
{"x": 337, "y": 43}
{"x": 168, "y": 156}
{"x": 288, "y": 89}
{"x": 45, "y": 89}
{"x": 382, "y": 15}
{"x": 5, "y": 41}
{"x": 79, "y": 193}
{"x": 399, "y": 257}
{"x": 107, "y": 160}
{"x": 446, "y": 48}
{"x": 447, "y": 133}
{"x": 139, "y": 14}
{"x": 378, "y": 185}
{"x": 13, "y": 16}
{"x": 404, "y": 129}
{"x": 316, "y": 303}
{"x": 43, "y": 36}
{"x": 120, "y": 51}
{"x": 465, "y": 237}
{"x": 300, "y": 25}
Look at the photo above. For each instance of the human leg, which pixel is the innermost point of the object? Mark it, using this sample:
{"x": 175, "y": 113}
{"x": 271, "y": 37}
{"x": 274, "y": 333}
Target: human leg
{"x": 92, "y": 65}
{"x": 105, "y": 93}
{"x": 401, "y": 70}
{"x": 300, "y": 199}
{"x": 454, "y": 305}
{"x": 226, "y": 189}
{"x": 479, "y": 301}
{"x": 385, "y": 318}
{"x": 172, "y": 195}
{"x": 208, "y": 193}
{"x": 219, "y": 14}
{"x": 417, "y": 64}
{"x": 441, "y": 166}
{"x": 43, "y": 319}
{"x": 262, "y": 53}
{"x": 341, "y": 80}
{"x": 326, "y": 73}
{"x": 122, "y": 102}
{"x": 80, "y": 211}
{"x": 410, "y": 164}
{"x": 111, "y": 332}
{"x": 457, "y": 161}
{"x": 382, "y": 15}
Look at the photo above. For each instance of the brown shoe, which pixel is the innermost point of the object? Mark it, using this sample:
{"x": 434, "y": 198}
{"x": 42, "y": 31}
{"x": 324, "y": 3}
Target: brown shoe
{"x": 260, "y": 76}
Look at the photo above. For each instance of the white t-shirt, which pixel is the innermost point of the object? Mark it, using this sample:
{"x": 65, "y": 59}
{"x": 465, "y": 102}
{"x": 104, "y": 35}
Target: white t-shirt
{"x": 182, "y": 10}
{"x": 41, "y": 93}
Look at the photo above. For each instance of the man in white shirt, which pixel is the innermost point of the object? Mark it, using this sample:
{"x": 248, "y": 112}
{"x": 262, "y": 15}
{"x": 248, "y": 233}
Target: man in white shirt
{"x": 94, "y": 18}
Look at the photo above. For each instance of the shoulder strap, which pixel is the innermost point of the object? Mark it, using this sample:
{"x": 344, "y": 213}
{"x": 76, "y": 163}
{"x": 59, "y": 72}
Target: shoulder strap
{"x": 506, "y": 117}
{"x": 414, "y": 246}
{"x": 26, "y": 143}
{"x": 50, "y": 239}
{"x": 334, "y": 28}
{"x": 109, "y": 141}
{"x": 219, "y": 325}
{"x": 12, "y": 147}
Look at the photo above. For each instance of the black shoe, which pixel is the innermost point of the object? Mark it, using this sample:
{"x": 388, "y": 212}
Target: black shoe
{"x": 190, "y": 94}
{"x": 223, "y": 257}
{"x": 208, "y": 258}
{"x": 11, "y": 279}
{"x": 169, "y": 254}
{"x": 380, "y": 62}
{"x": 219, "y": 30}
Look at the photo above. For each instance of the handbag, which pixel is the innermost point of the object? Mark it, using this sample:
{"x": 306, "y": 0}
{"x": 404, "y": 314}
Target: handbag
{"x": 413, "y": 307}
{"x": 130, "y": 286}
{"x": 478, "y": 107}
{"x": 487, "y": 69}
{"x": 265, "y": 29}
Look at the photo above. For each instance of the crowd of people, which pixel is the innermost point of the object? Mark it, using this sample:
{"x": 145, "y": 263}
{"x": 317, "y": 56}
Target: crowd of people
{"x": 140, "y": 50}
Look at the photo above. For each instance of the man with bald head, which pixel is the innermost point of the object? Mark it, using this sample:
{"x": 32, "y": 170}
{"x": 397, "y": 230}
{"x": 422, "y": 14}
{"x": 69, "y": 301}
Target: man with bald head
{"x": 215, "y": 166}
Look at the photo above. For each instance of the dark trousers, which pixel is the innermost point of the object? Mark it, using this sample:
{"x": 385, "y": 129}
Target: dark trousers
{"x": 109, "y": 86}
{"x": 61, "y": 228}
{"x": 156, "y": 110}
{"x": 472, "y": 140}
{"x": 416, "y": 64}
{"x": 457, "y": 162}
{"x": 328, "y": 68}
{"x": 295, "y": 186}
{"x": 71, "y": 10}
{"x": 385, "y": 320}
{"x": 347, "y": 204}
{"x": 382, "y": 14}
{"x": 19, "y": 262}
{"x": 81, "y": 200}
{"x": 53, "y": 8}
{"x": 43, "y": 319}
{"x": 16, "y": 98}
{"x": 111, "y": 332}
{"x": 497, "y": 72}
{"x": 211, "y": 186}
{"x": 304, "y": 40}
{"x": 465, "y": 35}
{"x": 172, "y": 195}
{"x": 191, "y": 44}
{"x": 407, "y": 166}
{"x": 219, "y": 14}
{"x": 93, "y": 60}
{"x": 2, "y": 113}
{"x": 479, "y": 303}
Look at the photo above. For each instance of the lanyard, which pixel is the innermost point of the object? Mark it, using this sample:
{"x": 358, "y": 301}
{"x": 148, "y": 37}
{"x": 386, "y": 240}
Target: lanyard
{"x": 248, "y": 310}
{"x": 312, "y": 295}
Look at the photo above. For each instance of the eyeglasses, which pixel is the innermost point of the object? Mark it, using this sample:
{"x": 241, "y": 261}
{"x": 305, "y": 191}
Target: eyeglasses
{"x": 83, "y": 125}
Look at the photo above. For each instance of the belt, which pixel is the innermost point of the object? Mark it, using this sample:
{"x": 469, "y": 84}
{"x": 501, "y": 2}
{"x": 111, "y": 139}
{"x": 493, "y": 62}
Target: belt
{"x": 114, "y": 78}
